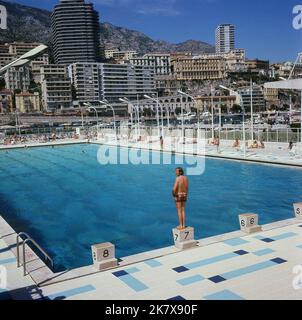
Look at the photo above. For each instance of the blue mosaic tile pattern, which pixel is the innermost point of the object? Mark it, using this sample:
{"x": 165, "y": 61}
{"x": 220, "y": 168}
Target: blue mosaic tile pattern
{"x": 235, "y": 242}
{"x": 153, "y": 263}
{"x": 8, "y": 261}
{"x": 190, "y": 280}
{"x": 213, "y": 260}
{"x": 281, "y": 236}
{"x": 223, "y": 295}
{"x": 177, "y": 298}
{"x": 253, "y": 268}
{"x": 217, "y": 279}
{"x": 130, "y": 281}
{"x": 180, "y": 269}
{"x": 70, "y": 293}
{"x": 263, "y": 252}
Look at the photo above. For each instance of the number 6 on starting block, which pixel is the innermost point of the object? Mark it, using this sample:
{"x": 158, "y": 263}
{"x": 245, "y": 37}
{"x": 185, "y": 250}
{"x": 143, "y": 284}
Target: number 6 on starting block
{"x": 249, "y": 222}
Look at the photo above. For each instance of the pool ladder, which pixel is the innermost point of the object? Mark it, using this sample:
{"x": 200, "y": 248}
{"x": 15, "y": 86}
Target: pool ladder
{"x": 28, "y": 239}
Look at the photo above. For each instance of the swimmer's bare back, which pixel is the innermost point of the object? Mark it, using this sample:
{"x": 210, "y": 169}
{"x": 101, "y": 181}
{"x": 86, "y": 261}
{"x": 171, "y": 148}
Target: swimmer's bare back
{"x": 181, "y": 185}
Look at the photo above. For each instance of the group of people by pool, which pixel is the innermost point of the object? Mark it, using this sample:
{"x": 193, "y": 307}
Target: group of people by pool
{"x": 36, "y": 138}
{"x": 254, "y": 145}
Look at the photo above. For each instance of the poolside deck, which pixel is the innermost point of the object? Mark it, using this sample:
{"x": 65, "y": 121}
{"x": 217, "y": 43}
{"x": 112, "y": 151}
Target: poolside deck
{"x": 252, "y": 267}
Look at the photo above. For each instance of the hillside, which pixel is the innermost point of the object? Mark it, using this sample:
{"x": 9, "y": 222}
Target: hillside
{"x": 33, "y": 25}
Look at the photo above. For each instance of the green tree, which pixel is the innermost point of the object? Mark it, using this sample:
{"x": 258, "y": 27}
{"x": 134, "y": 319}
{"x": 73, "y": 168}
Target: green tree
{"x": 236, "y": 108}
{"x": 2, "y": 84}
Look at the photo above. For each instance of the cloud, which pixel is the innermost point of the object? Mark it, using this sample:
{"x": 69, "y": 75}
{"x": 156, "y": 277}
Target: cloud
{"x": 145, "y": 7}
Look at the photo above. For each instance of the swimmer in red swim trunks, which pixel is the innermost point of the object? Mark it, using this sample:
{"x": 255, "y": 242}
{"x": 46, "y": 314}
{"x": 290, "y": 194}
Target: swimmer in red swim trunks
{"x": 180, "y": 194}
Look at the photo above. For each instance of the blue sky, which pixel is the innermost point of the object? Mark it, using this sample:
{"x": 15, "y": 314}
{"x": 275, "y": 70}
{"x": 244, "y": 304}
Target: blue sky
{"x": 264, "y": 27}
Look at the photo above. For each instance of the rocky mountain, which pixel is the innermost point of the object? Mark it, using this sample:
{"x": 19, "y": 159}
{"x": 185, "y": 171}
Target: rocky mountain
{"x": 125, "y": 39}
{"x": 33, "y": 25}
{"x": 25, "y": 24}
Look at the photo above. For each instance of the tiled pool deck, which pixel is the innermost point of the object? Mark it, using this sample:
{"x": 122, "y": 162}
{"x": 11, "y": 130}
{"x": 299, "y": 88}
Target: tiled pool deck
{"x": 258, "y": 266}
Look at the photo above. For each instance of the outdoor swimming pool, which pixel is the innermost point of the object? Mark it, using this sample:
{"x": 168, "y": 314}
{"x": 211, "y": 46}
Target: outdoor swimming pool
{"x": 67, "y": 201}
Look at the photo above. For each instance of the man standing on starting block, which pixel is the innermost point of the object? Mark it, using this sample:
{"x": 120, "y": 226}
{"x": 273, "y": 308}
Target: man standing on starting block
{"x": 180, "y": 194}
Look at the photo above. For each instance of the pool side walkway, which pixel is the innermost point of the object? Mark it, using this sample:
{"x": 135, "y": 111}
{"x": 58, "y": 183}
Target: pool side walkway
{"x": 258, "y": 266}
{"x": 273, "y": 155}
{"x": 278, "y": 156}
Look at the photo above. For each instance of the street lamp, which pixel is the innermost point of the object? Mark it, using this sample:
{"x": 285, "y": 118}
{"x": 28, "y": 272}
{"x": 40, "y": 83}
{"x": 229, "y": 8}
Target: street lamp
{"x": 18, "y": 124}
{"x": 212, "y": 109}
{"x": 243, "y": 118}
{"x": 162, "y": 111}
{"x": 252, "y": 111}
{"x": 182, "y": 116}
{"x": 243, "y": 127}
{"x": 107, "y": 104}
{"x": 136, "y": 109}
{"x": 90, "y": 107}
{"x": 198, "y": 111}
{"x": 157, "y": 114}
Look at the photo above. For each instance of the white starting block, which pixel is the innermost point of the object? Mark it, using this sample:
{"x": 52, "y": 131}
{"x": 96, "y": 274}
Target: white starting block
{"x": 103, "y": 255}
{"x": 298, "y": 210}
{"x": 249, "y": 223}
{"x": 184, "y": 239}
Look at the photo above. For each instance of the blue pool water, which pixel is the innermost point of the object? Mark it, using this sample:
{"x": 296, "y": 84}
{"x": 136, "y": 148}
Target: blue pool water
{"x": 67, "y": 201}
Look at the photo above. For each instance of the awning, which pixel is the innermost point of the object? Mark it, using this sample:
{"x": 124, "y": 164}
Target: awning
{"x": 25, "y": 58}
{"x": 295, "y": 84}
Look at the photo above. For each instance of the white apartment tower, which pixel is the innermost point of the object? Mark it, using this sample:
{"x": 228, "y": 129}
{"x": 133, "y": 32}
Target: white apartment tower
{"x": 56, "y": 87}
{"x": 98, "y": 81}
{"x": 225, "y": 38}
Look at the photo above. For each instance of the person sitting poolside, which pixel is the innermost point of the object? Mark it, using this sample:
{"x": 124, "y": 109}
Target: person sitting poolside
{"x": 254, "y": 145}
{"x": 236, "y": 144}
{"x": 261, "y": 145}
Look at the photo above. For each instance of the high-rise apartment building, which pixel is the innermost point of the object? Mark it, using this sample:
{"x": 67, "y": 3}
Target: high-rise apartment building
{"x": 199, "y": 68}
{"x": 120, "y": 55}
{"x": 161, "y": 63}
{"x": 257, "y": 96}
{"x": 98, "y": 81}
{"x": 56, "y": 87}
{"x": 28, "y": 102}
{"x": 225, "y": 38}
{"x": 75, "y": 32}
{"x": 17, "y": 79}
{"x": 86, "y": 80}
{"x": 126, "y": 80}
